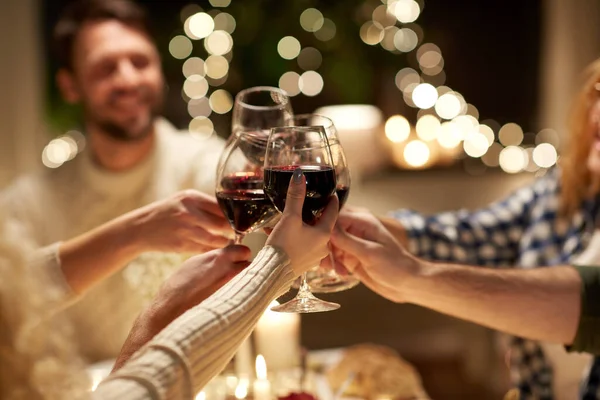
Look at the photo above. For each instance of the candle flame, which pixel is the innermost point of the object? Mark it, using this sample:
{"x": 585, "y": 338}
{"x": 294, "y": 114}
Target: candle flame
{"x": 261, "y": 367}
{"x": 201, "y": 396}
{"x": 241, "y": 391}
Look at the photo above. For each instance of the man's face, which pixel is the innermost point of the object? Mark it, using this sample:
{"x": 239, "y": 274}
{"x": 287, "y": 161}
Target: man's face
{"x": 117, "y": 77}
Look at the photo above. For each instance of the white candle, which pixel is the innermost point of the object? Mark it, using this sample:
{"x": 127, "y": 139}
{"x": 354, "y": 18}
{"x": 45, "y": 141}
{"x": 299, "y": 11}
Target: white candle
{"x": 277, "y": 338}
{"x": 262, "y": 386}
{"x": 243, "y": 360}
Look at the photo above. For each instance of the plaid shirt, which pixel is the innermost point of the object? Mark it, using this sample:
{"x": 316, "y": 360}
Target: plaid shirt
{"x": 521, "y": 230}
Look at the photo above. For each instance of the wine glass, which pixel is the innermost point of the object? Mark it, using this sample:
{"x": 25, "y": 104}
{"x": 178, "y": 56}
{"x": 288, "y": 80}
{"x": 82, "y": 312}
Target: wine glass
{"x": 239, "y": 190}
{"x": 307, "y": 148}
{"x": 319, "y": 279}
{"x": 257, "y": 109}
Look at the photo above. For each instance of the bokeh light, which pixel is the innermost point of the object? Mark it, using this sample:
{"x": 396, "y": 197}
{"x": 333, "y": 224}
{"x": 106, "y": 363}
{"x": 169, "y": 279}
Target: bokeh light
{"x": 311, "y": 20}
{"x": 424, "y": 95}
{"x": 381, "y": 15}
{"x": 201, "y": 128}
{"x": 475, "y": 145}
{"x": 428, "y": 127}
{"x": 180, "y": 47}
{"x": 512, "y": 159}
{"x": 450, "y": 135}
{"x": 225, "y": 22}
{"x": 218, "y": 43}
{"x": 219, "y": 3}
{"x": 405, "y": 77}
{"x": 405, "y": 40}
{"x": 221, "y": 101}
{"x": 548, "y": 136}
{"x": 193, "y": 66}
{"x": 310, "y": 83}
{"x": 472, "y": 111}
{"x": 389, "y": 35}
{"x": 290, "y": 82}
{"x": 488, "y": 133}
{"x": 195, "y": 87}
{"x": 216, "y": 67}
{"x": 327, "y": 31}
{"x": 199, "y": 108}
{"x": 201, "y": 25}
{"x": 407, "y": 11}
{"x": 447, "y": 106}
{"x": 416, "y": 153}
{"x": 544, "y": 155}
{"x": 188, "y": 11}
{"x": 511, "y": 134}
{"x": 310, "y": 59}
{"x": 397, "y": 128}
{"x": 492, "y": 157}
{"x": 371, "y": 33}
{"x": 288, "y": 48}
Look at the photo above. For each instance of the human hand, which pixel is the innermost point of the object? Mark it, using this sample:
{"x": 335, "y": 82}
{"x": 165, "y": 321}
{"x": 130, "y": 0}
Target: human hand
{"x": 197, "y": 279}
{"x": 363, "y": 246}
{"x": 304, "y": 244}
{"x": 188, "y": 221}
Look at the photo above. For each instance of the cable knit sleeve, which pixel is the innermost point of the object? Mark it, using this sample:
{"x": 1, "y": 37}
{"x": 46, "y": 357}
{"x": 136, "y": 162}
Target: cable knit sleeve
{"x": 180, "y": 360}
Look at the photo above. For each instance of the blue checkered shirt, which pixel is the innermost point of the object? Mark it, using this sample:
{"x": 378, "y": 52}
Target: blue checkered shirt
{"x": 522, "y": 230}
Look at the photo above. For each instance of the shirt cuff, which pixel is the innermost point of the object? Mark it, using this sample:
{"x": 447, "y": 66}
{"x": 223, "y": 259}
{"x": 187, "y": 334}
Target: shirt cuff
{"x": 587, "y": 338}
{"x": 45, "y": 262}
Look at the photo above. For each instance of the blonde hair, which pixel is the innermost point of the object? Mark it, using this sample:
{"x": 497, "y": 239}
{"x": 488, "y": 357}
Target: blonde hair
{"x": 577, "y": 181}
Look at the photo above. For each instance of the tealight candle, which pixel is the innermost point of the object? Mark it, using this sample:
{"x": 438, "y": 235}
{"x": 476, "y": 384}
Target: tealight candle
{"x": 262, "y": 386}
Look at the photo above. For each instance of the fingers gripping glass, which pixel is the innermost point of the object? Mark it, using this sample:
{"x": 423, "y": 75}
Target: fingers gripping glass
{"x": 306, "y": 148}
{"x": 319, "y": 279}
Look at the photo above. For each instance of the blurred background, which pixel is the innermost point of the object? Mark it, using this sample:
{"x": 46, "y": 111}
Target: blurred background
{"x": 440, "y": 105}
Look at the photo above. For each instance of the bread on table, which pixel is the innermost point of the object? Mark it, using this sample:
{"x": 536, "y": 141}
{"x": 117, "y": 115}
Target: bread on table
{"x": 379, "y": 373}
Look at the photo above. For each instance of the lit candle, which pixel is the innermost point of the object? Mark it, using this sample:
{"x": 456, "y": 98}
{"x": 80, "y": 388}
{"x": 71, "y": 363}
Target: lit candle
{"x": 262, "y": 386}
{"x": 241, "y": 390}
{"x": 243, "y": 360}
{"x": 277, "y": 338}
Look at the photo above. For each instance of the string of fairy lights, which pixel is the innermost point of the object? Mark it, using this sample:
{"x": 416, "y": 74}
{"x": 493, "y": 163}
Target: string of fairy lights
{"x": 446, "y": 127}
{"x": 446, "y": 124}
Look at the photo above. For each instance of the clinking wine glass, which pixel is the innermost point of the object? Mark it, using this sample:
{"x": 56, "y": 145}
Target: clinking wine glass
{"x": 319, "y": 279}
{"x": 257, "y": 109}
{"x": 306, "y": 148}
{"x": 239, "y": 190}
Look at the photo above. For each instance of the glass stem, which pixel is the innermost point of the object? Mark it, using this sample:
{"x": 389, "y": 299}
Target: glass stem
{"x": 238, "y": 238}
{"x": 304, "y": 290}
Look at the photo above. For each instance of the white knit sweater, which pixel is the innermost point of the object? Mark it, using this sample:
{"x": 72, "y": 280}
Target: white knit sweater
{"x": 56, "y": 205}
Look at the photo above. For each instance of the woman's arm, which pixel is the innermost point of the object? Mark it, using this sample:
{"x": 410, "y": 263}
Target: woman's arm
{"x": 198, "y": 345}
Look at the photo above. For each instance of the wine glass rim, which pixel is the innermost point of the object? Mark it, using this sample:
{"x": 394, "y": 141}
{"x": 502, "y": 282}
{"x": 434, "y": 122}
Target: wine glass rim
{"x": 255, "y": 89}
{"x": 313, "y": 115}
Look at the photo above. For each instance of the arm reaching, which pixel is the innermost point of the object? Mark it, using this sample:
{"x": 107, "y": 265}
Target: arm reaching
{"x": 539, "y": 304}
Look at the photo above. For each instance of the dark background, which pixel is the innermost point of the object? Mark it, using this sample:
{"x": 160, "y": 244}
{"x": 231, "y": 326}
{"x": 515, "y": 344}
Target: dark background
{"x": 490, "y": 49}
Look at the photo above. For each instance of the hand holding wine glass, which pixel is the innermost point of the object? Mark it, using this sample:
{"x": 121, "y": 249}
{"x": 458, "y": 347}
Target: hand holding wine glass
{"x": 292, "y": 234}
{"x": 306, "y": 148}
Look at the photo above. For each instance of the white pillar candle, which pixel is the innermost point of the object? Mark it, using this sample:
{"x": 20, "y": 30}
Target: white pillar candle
{"x": 243, "y": 360}
{"x": 277, "y": 338}
{"x": 262, "y": 386}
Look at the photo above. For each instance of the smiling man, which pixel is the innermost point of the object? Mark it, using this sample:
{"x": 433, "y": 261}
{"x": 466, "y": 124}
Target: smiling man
{"x": 110, "y": 66}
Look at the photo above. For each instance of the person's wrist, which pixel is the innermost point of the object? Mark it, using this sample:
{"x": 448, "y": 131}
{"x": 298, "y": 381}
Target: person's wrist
{"x": 132, "y": 230}
{"x": 418, "y": 271}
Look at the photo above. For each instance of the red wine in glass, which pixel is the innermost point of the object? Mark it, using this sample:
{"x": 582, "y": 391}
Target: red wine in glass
{"x": 342, "y": 194}
{"x": 320, "y": 185}
{"x": 244, "y": 202}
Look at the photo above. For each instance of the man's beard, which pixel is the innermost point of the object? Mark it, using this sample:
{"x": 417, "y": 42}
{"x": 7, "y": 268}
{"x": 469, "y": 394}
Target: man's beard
{"x": 121, "y": 132}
